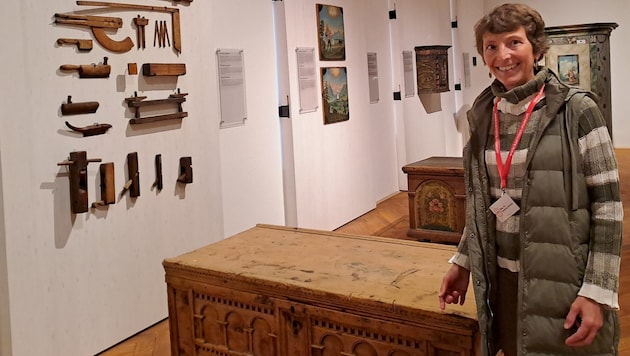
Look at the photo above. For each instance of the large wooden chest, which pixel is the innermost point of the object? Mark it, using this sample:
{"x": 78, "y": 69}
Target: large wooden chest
{"x": 437, "y": 199}
{"x": 282, "y": 291}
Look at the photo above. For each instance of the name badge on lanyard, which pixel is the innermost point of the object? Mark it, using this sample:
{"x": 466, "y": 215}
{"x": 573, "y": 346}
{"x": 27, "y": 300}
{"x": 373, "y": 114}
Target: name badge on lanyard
{"x": 505, "y": 207}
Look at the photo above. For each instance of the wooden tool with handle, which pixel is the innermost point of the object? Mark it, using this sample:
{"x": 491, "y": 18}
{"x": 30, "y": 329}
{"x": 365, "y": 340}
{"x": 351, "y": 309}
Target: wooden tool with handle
{"x": 86, "y": 107}
{"x": 82, "y": 45}
{"x": 90, "y": 70}
{"x": 177, "y": 37}
{"x": 77, "y": 165}
{"x": 108, "y": 189}
{"x": 97, "y": 24}
{"x": 90, "y": 130}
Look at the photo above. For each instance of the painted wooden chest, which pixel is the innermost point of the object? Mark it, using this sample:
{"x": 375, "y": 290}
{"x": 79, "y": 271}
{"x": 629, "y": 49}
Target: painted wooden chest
{"x": 437, "y": 199}
{"x": 282, "y": 291}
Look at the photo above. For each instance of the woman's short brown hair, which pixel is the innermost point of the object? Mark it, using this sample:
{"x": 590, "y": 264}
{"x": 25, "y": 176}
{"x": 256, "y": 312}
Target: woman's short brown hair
{"x": 509, "y": 17}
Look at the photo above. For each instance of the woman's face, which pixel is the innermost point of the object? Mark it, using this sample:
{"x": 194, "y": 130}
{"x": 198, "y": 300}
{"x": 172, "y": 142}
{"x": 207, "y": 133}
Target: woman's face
{"x": 509, "y": 56}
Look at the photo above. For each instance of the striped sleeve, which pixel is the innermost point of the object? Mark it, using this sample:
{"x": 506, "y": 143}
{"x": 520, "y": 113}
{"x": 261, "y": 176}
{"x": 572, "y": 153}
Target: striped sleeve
{"x": 601, "y": 279}
{"x": 460, "y": 257}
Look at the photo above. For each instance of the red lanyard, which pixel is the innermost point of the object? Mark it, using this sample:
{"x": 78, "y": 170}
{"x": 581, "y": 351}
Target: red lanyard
{"x": 504, "y": 169}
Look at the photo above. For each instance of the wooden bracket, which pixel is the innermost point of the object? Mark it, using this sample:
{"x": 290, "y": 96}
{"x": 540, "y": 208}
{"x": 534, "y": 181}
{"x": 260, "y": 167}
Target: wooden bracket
{"x": 185, "y": 170}
{"x": 133, "y": 183}
{"x": 108, "y": 189}
{"x": 136, "y": 102}
{"x": 77, "y": 165}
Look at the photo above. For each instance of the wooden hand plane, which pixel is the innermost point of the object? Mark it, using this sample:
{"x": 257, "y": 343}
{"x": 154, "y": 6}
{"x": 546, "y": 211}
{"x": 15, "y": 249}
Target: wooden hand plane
{"x": 90, "y": 70}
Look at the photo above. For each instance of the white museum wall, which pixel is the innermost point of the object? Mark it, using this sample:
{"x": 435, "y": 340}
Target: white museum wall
{"x": 573, "y": 12}
{"x": 380, "y": 115}
{"x": 251, "y": 161}
{"x": 342, "y": 169}
{"x": 75, "y": 284}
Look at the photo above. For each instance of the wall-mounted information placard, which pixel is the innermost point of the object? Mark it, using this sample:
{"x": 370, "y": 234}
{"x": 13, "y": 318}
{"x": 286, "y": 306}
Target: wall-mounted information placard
{"x": 373, "y": 77}
{"x": 307, "y": 79}
{"x": 410, "y": 85}
{"x": 231, "y": 71}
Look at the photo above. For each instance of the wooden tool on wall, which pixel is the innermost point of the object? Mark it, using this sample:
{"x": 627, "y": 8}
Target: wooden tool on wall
{"x": 86, "y": 107}
{"x": 177, "y": 39}
{"x": 133, "y": 183}
{"x": 108, "y": 188}
{"x": 82, "y": 45}
{"x": 89, "y": 70}
{"x": 77, "y": 165}
{"x": 141, "y": 23}
{"x": 163, "y": 69}
{"x": 97, "y": 24}
{"x": 90, "y": 130}
{"x": 159, "y": 184}
{"x": 136, "y": 102}
{"x": 185, "y": 170}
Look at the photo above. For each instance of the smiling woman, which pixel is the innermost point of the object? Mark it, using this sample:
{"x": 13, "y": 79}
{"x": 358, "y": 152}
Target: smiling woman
{"x": 536, "y": 158}
{"x": 510, "y": 57}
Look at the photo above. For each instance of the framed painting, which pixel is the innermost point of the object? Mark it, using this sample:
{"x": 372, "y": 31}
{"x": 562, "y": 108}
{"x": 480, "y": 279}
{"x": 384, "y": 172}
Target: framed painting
{"x": 569, "y": 69}
{"x": 330, "y": 33}
{"x": 571, "y": 62}
{"x": 335, "y": 94}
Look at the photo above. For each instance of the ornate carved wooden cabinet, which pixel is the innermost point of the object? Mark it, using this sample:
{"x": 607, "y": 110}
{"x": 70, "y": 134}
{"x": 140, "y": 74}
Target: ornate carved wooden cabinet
{"x": 282, "y": 291}
{"x": 432, "y": 69}
{"x": 580, "y": 55}
{"x": 436, "y": 199}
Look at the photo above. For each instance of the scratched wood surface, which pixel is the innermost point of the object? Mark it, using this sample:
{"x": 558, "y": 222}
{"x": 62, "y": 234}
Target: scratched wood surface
{"x": 339, "y": 268}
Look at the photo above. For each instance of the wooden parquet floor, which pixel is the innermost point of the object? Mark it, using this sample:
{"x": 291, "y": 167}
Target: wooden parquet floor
{"x": 391, "y": 219}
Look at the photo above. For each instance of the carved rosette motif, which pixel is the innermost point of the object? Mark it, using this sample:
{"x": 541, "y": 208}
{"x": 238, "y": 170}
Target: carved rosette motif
{"x": 436, "y": 207}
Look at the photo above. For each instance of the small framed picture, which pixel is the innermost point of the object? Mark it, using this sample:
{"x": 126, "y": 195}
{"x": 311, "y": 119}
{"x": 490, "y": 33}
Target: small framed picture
{"x": 335, "y": 94}
{"x": 569, "y": 69}
{"x": 330, "y": 33}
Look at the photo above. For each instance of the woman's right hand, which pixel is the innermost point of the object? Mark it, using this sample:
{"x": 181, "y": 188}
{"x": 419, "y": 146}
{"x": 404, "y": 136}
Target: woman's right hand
{"x": 454, "y": 286}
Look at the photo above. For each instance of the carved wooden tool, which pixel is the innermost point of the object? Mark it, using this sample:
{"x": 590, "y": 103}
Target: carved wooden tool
{"x": 136, "y": 102}
{"x": 165, "y": 38}
{"x": 90, "y": 130}
{"x": 82, "y": 45}
{"x": 185, "y": 170}
{"x": 133, "y": 183}
{"x": 161, "y": 39}
{"x": 108, "y": 189}
{"x": 159, "y": 183}
{"x": 159, "y": 69}
{"x": 78, "y": 180}
{"x": 140, "y": 23}
{"x": 90, "y": 70}
{"x": 97, "y": 25}
{"x": 177, "y": 38}
{"x": 156, "y": 34}
{"x": 86, "y": 107}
